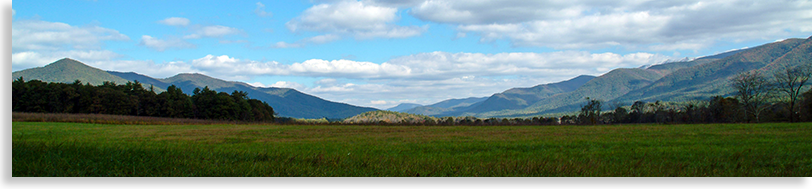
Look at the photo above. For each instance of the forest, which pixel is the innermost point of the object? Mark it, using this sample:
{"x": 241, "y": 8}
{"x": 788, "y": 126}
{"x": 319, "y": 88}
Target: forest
{"x": 133, "y": 99}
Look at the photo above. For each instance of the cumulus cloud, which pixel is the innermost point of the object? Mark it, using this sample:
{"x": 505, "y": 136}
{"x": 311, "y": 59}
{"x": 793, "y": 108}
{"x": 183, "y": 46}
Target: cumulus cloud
{"x": 635, "y": 24}
{"x": 36, "y": 43}
{"x": 436, "y": 66}
{"x": 175, "y": 21}
{"x": 29, "y": 59}
{"x": 44, "y": 35}
{"x": 161, "y": 45}
{"x": 358, "y": 19}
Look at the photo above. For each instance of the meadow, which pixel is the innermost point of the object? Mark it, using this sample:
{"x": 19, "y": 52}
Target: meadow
{"x": 90, "y": 149}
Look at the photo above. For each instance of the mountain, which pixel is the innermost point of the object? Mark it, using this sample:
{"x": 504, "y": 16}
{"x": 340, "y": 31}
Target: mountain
{"x": 605, "y": 87}
{"x": 286, "y": 102}
{"x": 68, "y": 70}
{"x": 518, "y": 98}
{"x": 710, "y": 79}
{"x": 446, "y": 107}
{"x": 404, "y": 106}
{"x": 683, "y": 80}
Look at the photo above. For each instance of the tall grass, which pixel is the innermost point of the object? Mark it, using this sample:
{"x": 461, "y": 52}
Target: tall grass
{"x": 77, "y": 149}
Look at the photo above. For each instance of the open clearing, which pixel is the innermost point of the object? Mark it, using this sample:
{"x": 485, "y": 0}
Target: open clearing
{"x": 79, "y": 149}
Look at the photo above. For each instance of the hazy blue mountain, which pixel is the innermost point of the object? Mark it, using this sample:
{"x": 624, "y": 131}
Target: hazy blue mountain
{"x": 519, "y": 98}
{"x": 287, "y": 102}
{"x": 404, "y": 106}
{"x": 446, "y": 107}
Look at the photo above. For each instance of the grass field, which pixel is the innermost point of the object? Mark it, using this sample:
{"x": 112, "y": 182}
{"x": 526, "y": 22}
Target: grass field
{"x": 79, "y": 149}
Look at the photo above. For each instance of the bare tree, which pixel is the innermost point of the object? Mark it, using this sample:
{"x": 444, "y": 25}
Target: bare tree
{"x": 753, "y": 91}
{"x": 591, "y": 112}
{"x": 789, "y": 80}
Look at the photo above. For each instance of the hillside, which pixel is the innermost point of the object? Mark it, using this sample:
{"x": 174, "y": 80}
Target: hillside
{"x": 605, "y": 87}
{"x": 68, "y": 70}
{"x": 286, "y": 102}
{"x": 705, "y": 80}
{"x": 518, "y": 98}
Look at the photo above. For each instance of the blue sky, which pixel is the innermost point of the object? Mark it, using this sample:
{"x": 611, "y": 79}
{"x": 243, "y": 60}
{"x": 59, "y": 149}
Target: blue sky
{"x": 380, "y": 53}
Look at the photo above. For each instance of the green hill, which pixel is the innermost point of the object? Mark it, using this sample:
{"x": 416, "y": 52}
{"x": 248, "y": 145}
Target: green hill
{"x": 68, "y": 70}
{"x": 389, "y": 117}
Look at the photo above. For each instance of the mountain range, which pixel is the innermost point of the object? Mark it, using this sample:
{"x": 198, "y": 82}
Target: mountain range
{"x": 286, "y": 102}
{"x": 674, "y": 81}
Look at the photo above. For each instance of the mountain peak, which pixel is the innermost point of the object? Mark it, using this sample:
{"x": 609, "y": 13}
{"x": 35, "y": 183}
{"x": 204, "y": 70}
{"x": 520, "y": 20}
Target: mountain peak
{"x": 67, "y": 62}
{"x": 68, "y": 70}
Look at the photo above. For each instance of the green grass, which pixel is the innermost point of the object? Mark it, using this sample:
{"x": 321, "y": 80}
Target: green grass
{"x": 77, "y": 149}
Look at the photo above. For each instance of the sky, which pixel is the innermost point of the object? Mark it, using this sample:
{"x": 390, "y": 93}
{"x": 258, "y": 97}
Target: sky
{"x": 380, "y": 53}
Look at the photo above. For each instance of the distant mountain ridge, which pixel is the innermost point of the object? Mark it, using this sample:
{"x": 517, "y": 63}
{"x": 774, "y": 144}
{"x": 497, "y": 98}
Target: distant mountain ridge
{"x": 286, "y": 102}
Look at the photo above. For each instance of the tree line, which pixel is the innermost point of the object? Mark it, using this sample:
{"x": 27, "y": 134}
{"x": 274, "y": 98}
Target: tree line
{"x": 133, "y": 99}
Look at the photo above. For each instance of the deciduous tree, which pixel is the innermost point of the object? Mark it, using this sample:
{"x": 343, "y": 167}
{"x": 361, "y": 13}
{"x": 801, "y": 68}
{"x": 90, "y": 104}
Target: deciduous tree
{"x": 753, "y": 90}
{"x": 789, "y": 81}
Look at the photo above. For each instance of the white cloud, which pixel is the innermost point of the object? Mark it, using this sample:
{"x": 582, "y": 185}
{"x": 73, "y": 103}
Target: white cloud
{"x": 288, "y": 84}
{"x": 633, "y": 24}
{"x": 348, "y": 69}
{"x": 161, "y": 45}
{"x": 13, "y": 12}
{"x": 175, "y": 21}
{"x": 435, "y": 66}
{"x": 260, "y": 11}
{"x": 212, "y": 31}
{"x": 355, "y": 19}
{"x": 29, "y": 59}
{"x": 44, "y": 35}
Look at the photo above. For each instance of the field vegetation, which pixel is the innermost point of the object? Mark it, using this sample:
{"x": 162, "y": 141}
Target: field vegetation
{"x": 85, "y": 149}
